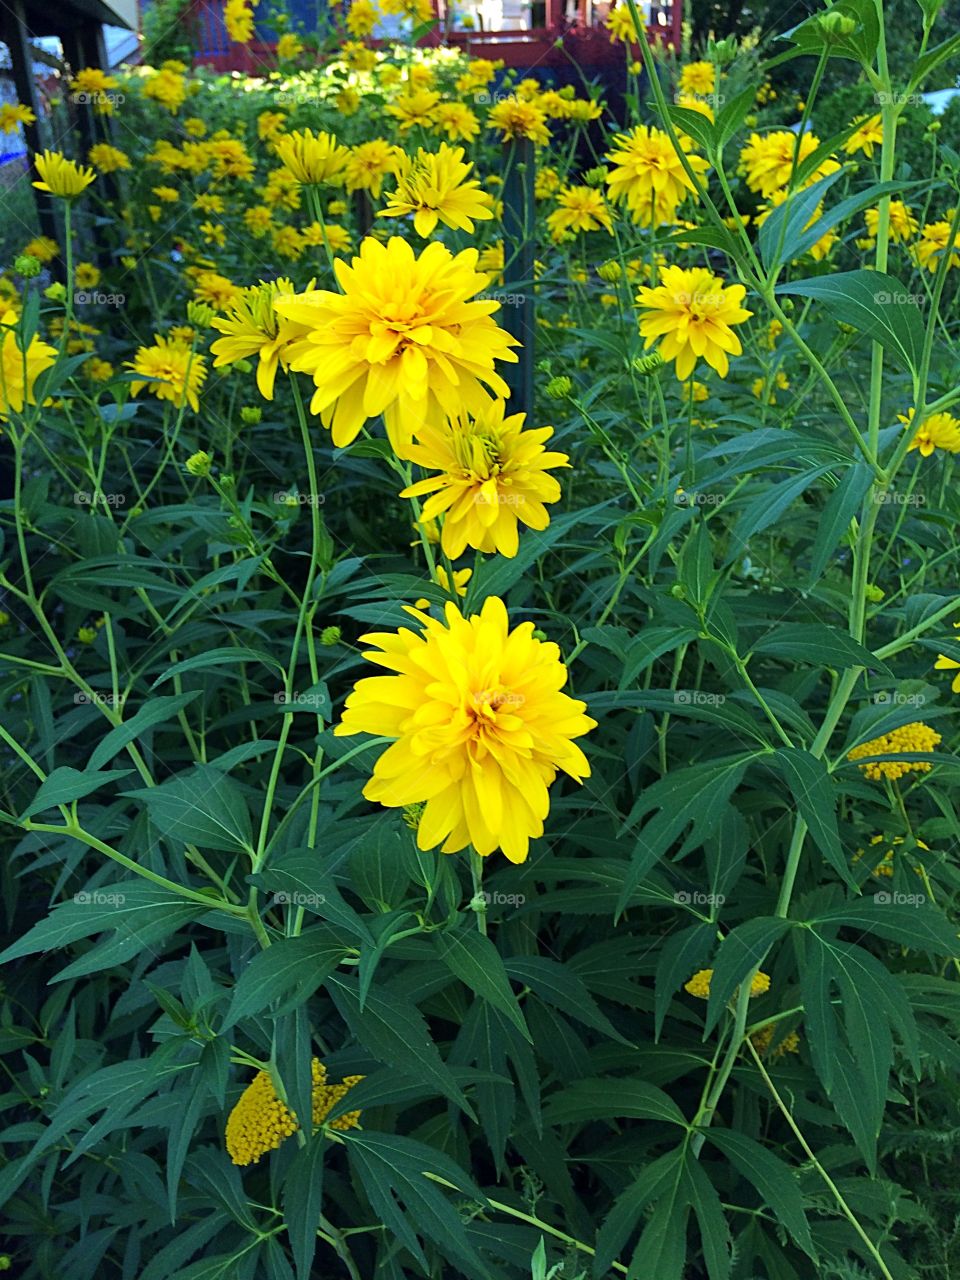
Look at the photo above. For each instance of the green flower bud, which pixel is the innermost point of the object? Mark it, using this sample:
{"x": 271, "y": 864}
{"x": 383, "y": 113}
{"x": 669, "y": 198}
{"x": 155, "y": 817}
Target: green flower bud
{"x": 199, "y": 464}
{"x": 538, "y": 634}
{"x": 250, "y": 415}
{"x": 330, "y": 636}
{"x": 646, "y": 365}
{"x": 56, "y": 292}
{"x": 558, "y": 387}
{"x": 26, "y": 265}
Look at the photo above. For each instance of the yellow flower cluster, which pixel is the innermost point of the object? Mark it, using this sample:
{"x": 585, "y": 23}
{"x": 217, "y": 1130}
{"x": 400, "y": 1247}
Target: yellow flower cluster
{"x": 699, "y": 984}
{"x": 260, "y": 1121}
{"x": 885, "y": 866}
{"x": 908, "y": 738}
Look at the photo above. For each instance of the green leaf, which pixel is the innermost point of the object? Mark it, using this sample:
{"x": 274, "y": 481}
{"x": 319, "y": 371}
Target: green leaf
{"x": 917, "y": 924}
{"x": 629, "y": 1207}
{"x": 396, "y": 1033}
{"x": 303, "y": 1200}
{"x": 298, "y": 965}
{"x": 695, "y": 571}
{"x": 773, "y": 1178}
{"x": 64, "y": 785}
{"x": 818, "y": 644}
{"x": 153, "y": 712}
{"x": 815, "y": 794}
{"x": 682, "y": 954}
{"x": 741, "y": 951}
{"x": 477, "y": 963}
{"x": 778, "y": 237}
{"x": 834, "y": 523}
{"x": 847, "y": 208}
{"x": 876, "y": 304}
{"x": 715, "y": 1238}
{"x": 298, "y": 878}
{"x": 379, "y": 870}
{"x": 395, "y": 1171}
{"x": 232, "y": 655}
{"x": 769, "y": 506}
{"x": 559, "y": 986}
{"x": 662, "y": 1248}
{"x": 201, "y": 806}
{"x": 611, "y": 1099}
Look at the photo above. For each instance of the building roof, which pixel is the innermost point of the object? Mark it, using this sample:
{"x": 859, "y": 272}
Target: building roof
{"x": 44, "y": 19}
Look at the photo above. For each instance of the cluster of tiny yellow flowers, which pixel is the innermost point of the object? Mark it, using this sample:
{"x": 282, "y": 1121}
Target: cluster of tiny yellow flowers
{"x": 908, "y": 738}
{"x": 762, "y": 1039}
{"x": 699, "y": 984}
{"x": 260, "y": 1121}
{"x": 885, "y": 866}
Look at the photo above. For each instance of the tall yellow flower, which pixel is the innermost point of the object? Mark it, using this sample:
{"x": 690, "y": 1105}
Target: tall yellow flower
{"x": 933, "y": 243}
{"x": 254, "y": 328}
{"x": 691, "y": 313}
{"x": 260, "y": 1121}
{"x": 19, "y": 371}
{"x": 916, "y": 737}
{"x": 622, "y": 28}
{"x": 368, "y": 165}
{"x": 768, "y": 161}
{"x": 579, "y": 209}
{"x": 437, "y": 187}
{"x": 403, "y": 339}
{"x": 648, "y": 175}
{"x": 362, "y": 18}
{"x": 93, "y": 86}
{"x": 457, "y": 121}
{"x": 312, "y": 158}
{"x": 480, "y": 727}
{"x": 938, "y": 431}
{"x": 699, "y": 78}
{"x": 867, "y": 135}
{"x": 12, "y": 115}
{"x": 62, "y": 177}
{"x": 515, "y": 118}
{"x": 903, "y": 225}
{"x": 171, "y": 371}
{"x": 415, "y": 108}
{"x": 238, "y": 19}
{"x": 492, "y": 475}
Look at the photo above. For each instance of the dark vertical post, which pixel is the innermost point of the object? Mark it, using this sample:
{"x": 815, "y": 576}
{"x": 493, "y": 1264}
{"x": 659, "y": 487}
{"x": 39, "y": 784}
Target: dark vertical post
{"x": 518, "y": 254}
{"x": 21, "y": 61}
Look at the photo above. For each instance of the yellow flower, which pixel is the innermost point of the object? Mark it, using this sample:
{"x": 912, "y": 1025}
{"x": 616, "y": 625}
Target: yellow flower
{"x": 199, "y": 464}
{"x": 95, "y": 87}
{"x": 414, "y": 108}
{"x": 19, "y": 371}
{"x": 208, "y": 202}
{"x": 868, "y": 135}
{"x": 282, "y": 189}
{"x": 402, "y": 339}
{"x": 62, "y": 177}
{"x": 949, "y": 664}
{"x": 238, "y": 19}
{"x": 517, "y": 119}
{"x": 547, "y": 182}
{"x": 698, "y": 78}
{"x": 312, "y": 158}
{"x": 691, "y": 313}
{"x": 257, "y": 219}
{"x": 368, "y": 165}
{"x": 762, "y": 1039}
{"x": 492, "y": 475}
{"x": 98, "y": 370}
{"x": 288, "y": 242}
{"x": 221, "y": 293}
{"x": 260, "y": 1122}
{"x": 768, "y": 161}
{"x": 457, "y": 121}
{"x": 171, "y": 370}
{"x": 289, "y": 46}
{"x": 885, "y": 866}
{"x": 579, "y": 209}
{"x": 939, "y": 431}
{"x": 621, "y": 26}
{"x": 254, "y": 328}
{"x": 195, "y": 126}
{"x": 480, "y": 727}
{"x": 108, "y": 159}
{"x": 436, "y": 187}
{"x": 362, "y": 18}
{"x": 933, "y": 243}
{"x": 347, "y": 102}
{"x": 915, "y": 737}
{"x": 460, "y": 579}
{"x": 167, "y": 87}
{"x": 12, "y": 115}
{"x": 903, "y": 225}
{"x": 270, "y": 124}
{"x": 699, "y": 984}
{"x": 87, "y": 275}
{"x": 648, "y": 175}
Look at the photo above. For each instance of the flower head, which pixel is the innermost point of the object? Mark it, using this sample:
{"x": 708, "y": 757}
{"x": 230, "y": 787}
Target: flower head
{"x": 254, "y": 328}
{"x": 903, "y": 225}
{"x": 18, "y": 370}
{"x": 579, "y": 209}
{"x": 648, "y": 175}
{"x": 949, "y": 664}
{"x": 436, "y": 187}
{"x": 368, "y": 165}
{"x": 933, "y": 243}
{"x": 691, "y": 313}
{"x": 312, "y": 158}
{"x": 13, "y": 115}
{"x": 492, "y": 474}
{"x": 415, "y": 108}
{"x": 699, "y": 984}
{"x": 939, "y": 431}
{"x": 260, "y": 1121}
{"x": 622, "y": 28}
{"x": 698, "y": 78}
{"x": 916, "y": 737}
{"x": 769, "y": 161}
{"x": 867, "y": 135}
{"x": 405, "y": 338}
{"x": 171, "y": 370}
{"x": 62, "y": 177}
{"x": 515, "y": 118}
{"x": 480, "y": 727}
{"x": 238, "y": 19}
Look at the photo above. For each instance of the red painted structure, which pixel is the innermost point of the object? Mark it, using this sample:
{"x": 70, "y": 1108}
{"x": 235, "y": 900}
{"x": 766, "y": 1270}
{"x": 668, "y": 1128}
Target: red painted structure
{"x": 585, "y": 41}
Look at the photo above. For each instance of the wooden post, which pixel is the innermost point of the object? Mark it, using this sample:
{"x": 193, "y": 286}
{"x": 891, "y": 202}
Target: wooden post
{"x": 21, "y": 61}
{"x": 519, "y": 313}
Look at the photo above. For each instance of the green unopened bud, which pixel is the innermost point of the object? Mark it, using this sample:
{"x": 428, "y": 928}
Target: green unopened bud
{"x": 724, "y": 51}
{"x": 559, "y": 387}
{"x": 244, "y": 366}
{"x": 26, "y": 265}
{"x": 836, "y": 25}
{"x": 677, "y": 591}
{"x": 56, "y": 292}
{"x": 330, "y": 636}
{"x": 595, "y": 177}
{"x": 538, "y": 634}
{"x": 544, "y": 366}
{"x": 647, "y": 365}
{"x": 873, "y": 593}
{"x": 250, "y": 415}
{"x": 5, "y": 1262}
{"x": 610, "y": 271}
{"x": 200, "y": 314}
{"x": 199, "y": 464}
